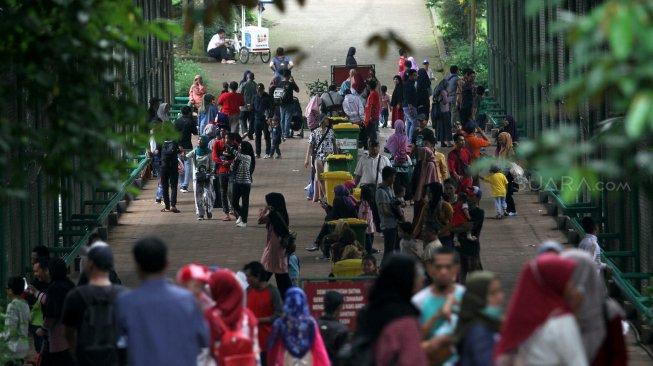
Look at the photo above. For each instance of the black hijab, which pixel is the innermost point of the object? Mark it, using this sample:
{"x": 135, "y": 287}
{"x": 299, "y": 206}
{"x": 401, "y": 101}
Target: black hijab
{"x": 398, "y": 92}
{"x": 59, "y": 287}
{"x": 389, "y": 298}
{"x": 278, "y": 214}
{"x": 351, "y": 61}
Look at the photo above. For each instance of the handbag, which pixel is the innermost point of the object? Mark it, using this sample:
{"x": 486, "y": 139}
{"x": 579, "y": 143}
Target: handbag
{"x": 288, "y": 242}
{"x": 180, "y": 166}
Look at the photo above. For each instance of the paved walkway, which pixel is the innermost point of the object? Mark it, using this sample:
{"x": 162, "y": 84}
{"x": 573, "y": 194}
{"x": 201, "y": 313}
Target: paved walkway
{"x": 506, "y": 244}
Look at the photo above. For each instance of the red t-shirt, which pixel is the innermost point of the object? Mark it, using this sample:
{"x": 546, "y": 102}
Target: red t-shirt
{"x": 217, "y": 150}
{"x": 372, "y": 105}
{"x": 231, "y": 103}
{"x": 260, "y": 304}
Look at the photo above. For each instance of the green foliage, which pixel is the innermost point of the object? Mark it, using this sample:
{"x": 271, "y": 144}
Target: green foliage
{"x": 610, "y": 52}
{"x": 460, "y": 54}
{"x": 185, "y": 71}
{"x": 454, "y": 16}
{"x": 61, "y": 65}
{"x": 317, "y": 87}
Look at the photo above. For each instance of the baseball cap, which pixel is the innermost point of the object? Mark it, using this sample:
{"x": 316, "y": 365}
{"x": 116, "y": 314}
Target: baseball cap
{"x": 193, "y": 271}
{"x": 101, "y": 256}
{"x": 425, "y": 62}
{"x": 421, "y": 117}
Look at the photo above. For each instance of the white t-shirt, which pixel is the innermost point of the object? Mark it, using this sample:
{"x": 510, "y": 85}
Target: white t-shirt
{"x": 367, "y": 167}
{"x": 215, "y": 41}
{"x": 556, "y": 343}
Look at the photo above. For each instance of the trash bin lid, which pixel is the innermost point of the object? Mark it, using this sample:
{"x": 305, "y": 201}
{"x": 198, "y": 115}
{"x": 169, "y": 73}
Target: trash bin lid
{"x": 340, "y": 157}
{"x": 350, "y": 221}
{"x": 336, "y": 175}
{"x": 346, "y": 126}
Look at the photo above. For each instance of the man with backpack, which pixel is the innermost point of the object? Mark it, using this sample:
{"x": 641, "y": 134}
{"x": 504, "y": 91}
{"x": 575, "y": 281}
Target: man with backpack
{"x": 89, "y": 313}
{"x": 331, "y": 102}
{"x": 186, "y": 127}
{"x": 281, "y": 63}
{"x": 170, "y": 174}
{"x": 283, "y": 97}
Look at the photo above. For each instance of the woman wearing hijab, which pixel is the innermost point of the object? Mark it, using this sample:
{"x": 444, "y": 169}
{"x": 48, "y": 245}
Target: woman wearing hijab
{"x": 397, "y": 99}
{"x": 599, "y": 317}
{"x": 295, "y": 338}
{"x": 346, "y": 84}
{"x": 397, "y": 146}
{"x": 229, "y": 313}
{"x": 540, "y": 326}
{"x": 356, "y": 81}
{"x": 312, "y": 112}
{"x": 510, "y": 126}
{"x": 504, "y": 146}
{"x": 206, "y": 112}
{"x": 390, "y": 320}
{"x": 344, "y": 205}
{"x": 196, "y": 92}
{"x": 162, "y": 112}
{"x": 479, "y": 320}
{"x": 202, "y": 182}
{"x": 243, "y": 168}
{"x": 275, "y": 258}
{"x": 435, "y": 213}
{"x": 57, "y": 352}
{"x": 413, "y": 64}
{"x": 244, "y": 79}
{"x": 422, "y": 86}
{"x": 351, "y": 61}
{"x": 425, "y": 173}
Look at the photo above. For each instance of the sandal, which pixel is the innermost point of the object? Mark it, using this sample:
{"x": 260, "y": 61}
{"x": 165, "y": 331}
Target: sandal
{"x": 165, "y": 210}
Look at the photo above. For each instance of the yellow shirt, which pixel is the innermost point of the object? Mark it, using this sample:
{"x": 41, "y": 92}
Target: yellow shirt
{"x": 499, "y": 184}
{"x": 441, "y": 165}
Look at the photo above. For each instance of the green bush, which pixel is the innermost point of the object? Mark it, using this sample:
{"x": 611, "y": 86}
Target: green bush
{"x": 460, "y": 54}
{"x": 185, "y": 71}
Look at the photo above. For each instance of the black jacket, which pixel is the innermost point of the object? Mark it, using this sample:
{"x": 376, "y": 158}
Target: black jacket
{"x": 334, "y": 334}
{"x": 186, "y": 127}
{"x": 410, "y": 94}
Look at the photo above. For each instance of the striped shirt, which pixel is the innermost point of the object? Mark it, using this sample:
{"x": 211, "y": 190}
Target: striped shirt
{"x": 243, "y": 174}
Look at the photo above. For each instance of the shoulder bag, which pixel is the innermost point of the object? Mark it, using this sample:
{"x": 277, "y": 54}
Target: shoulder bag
{"x": 288, "y": 242}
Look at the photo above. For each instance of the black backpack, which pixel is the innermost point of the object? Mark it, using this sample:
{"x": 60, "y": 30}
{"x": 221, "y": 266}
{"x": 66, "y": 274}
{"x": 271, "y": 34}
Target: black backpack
{"x": 359, "y": 352}
{"x": 442, "y": 85}
{"x": 169, "y": 152}
{"x": 98, "y": 334}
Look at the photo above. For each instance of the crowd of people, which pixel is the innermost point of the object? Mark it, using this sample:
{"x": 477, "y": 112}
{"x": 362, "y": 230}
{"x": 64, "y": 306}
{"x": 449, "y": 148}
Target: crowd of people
{"x": 430, "y": 301}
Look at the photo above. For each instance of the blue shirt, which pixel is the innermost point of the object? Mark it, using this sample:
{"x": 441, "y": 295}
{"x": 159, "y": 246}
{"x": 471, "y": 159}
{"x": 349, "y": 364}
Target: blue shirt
{"x": 163, "y": 324}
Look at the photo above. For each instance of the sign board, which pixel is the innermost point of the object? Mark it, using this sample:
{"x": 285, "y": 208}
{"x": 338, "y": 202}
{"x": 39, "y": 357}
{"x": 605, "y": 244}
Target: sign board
{"x": 347, "y": 144}
{"x": 340, "y": 73}
{"x": 353, "y": 290}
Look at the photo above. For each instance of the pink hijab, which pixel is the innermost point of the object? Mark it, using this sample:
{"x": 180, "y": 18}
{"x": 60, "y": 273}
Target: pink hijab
{"x": 312, "y": 112}
{"x": 414, "y": 64}
{"x": 397, "y": 140}
{"x": 427, "y": 172}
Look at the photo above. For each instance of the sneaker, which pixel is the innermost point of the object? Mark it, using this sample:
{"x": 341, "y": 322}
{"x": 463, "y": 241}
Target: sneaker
{"x": 200, "y": 218}
{"x": 267, "y": 156}
{"x": 512, "y": 214}
{"x": 313, "y": 248}
{"x": 231, "y": 62}
{"x": 183, "y": 190}
{"x": 242, "y": 224}
{"x": 209, "y": 215}
{"x": 307, "y": 187}
{"x": 278, "y": 156}
{"x": 238, "y": 220}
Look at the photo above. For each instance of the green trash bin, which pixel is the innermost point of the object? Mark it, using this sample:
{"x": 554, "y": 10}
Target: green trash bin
{"x": 347, "y": 139}
{"x": 358, "y": 225}
{"x": 340, "y": 163}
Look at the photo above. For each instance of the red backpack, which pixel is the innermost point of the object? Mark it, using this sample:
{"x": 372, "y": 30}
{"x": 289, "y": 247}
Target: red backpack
{"x": 236, "y": 347}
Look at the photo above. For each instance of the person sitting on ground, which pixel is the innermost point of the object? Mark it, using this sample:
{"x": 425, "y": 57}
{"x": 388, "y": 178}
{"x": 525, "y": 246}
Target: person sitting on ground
{"x": 218, "y": 48}
{"x": 351, "y": 264}
{"x": 346, "y": 238}
{"x": 334, "y": 333}
{"x": 407, "y": 243}
{"x": 370, "y": 269}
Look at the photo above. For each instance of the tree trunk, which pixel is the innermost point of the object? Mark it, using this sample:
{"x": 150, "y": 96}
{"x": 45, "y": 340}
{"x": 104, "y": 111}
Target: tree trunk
{"x": 198, "y": 35}
{"x": 472, "y": 27}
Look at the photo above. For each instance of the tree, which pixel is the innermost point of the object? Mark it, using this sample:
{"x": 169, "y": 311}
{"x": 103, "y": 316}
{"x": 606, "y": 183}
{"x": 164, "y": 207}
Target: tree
{"x": 68, "y": 108}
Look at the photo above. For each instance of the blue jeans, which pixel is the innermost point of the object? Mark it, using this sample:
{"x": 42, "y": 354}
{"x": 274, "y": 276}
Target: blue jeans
{"x": 285, "y": 112}
{"x": 410, "y": 121}
{"x": 186, "y": 179}
{"x": 500, "y": 205}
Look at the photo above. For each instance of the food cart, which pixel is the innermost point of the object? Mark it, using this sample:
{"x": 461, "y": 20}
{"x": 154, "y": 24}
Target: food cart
{"x": 252, "y": 40}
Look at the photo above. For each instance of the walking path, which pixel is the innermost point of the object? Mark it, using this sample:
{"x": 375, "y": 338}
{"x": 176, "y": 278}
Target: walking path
{"x": 325, "y": 31}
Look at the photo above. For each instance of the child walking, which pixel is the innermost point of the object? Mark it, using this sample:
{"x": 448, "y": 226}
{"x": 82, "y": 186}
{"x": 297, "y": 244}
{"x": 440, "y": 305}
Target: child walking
{"x": 499, "y": 184}
{"x": 202, "y": 180}
{"x": 276, "y": 137}
{"x": 365, "y": 213}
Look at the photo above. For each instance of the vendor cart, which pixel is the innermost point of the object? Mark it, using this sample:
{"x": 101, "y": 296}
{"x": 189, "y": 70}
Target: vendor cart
{"x": 252, "y": 40}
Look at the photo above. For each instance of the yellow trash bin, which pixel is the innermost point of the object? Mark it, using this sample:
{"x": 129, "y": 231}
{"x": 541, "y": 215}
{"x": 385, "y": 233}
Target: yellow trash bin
{"x": 357, "y": 194}
{"x": 348, "y": 268}
{"x": 340, "y": 163}
{"x": 331, "y": 180}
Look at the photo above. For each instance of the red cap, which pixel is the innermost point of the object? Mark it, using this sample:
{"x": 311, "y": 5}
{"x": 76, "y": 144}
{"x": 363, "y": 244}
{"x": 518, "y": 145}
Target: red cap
{"x": 193, "y": 271}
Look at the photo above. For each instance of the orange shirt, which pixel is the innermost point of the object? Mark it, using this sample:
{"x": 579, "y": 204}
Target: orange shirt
{"x": 475, "y": 144}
